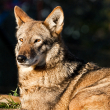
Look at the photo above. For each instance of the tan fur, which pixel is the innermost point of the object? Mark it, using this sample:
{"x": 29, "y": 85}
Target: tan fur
{"x": 57, "y": 13}
{"x": 50, "y": 77}
{"x": 21, "y": 16}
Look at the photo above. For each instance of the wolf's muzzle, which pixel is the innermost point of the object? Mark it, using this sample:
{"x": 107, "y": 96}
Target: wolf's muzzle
{"x": 21, "y": 58}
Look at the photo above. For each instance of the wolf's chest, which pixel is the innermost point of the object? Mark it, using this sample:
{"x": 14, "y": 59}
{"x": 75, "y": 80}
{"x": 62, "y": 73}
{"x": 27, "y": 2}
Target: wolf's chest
{"x": 40, "y": 97}
{"x": 41, "y": 90}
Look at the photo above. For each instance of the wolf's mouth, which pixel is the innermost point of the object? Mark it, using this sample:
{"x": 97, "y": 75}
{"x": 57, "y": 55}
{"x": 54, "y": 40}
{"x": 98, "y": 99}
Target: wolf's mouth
{"x": 31, "y": 63}
{"x": 34, "y": 63}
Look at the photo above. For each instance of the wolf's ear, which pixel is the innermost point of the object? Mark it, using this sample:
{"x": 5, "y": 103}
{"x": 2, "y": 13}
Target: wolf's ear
{"x": 55, "y": 20}
{"x": 21, "y": 16}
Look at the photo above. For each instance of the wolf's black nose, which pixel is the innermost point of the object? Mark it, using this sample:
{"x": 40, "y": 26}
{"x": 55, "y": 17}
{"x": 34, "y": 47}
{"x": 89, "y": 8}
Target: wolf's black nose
{"x": 21, "y": 58}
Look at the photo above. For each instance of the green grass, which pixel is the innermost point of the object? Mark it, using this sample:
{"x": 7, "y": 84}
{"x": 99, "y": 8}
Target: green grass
{"x": 14, "y": 92}
{"x": 11, "y": 104}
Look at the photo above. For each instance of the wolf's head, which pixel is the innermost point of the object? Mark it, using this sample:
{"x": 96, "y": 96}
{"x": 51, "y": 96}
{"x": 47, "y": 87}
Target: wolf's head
{"x": 39, "y": 42}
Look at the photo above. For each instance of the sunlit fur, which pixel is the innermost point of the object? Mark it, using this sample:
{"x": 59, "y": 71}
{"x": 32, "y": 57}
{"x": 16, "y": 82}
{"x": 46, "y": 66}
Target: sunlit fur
{"x": 51, "y": 78}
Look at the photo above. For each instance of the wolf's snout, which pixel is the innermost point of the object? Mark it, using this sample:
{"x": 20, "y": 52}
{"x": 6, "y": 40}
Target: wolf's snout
{"x": 21, "y": 58}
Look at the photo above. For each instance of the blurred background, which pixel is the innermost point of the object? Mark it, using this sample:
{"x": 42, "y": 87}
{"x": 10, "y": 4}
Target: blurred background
{"x": 86, "y": 32}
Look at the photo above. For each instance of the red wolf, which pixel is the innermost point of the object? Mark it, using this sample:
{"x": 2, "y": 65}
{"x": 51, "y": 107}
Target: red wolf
{"x": 50, "y": 77}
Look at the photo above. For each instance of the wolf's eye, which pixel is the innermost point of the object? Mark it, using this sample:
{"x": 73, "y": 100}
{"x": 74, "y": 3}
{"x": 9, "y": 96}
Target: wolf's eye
{"x": 37, "y": 40}
{"x": 21, "y": 39}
